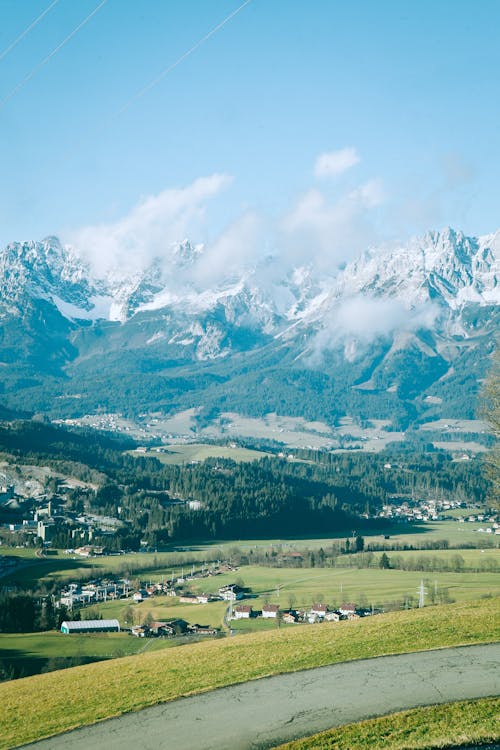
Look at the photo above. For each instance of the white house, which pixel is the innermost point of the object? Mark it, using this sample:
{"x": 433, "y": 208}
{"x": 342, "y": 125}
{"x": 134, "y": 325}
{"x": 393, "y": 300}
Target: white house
{"x": 347, "y": 609}
{"x": 243, "y": 612}
{"x": 319, "y": 609}
{"x": 270, "y": 610}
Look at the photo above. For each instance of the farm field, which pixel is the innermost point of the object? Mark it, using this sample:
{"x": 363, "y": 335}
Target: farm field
{"x": 50, "y": 703}
{"x": 164, "y": 608}
{"x": 399, "y": 534}
{"x": 301, "y": 587}
{"x": 68, "y": 567}
{"x": 62, "y": 566}
{"x": 196, "y": 452}
{"x": 31, "y": 653}
{"x": 335, "y": 585}
{"x": 476, "y": 559}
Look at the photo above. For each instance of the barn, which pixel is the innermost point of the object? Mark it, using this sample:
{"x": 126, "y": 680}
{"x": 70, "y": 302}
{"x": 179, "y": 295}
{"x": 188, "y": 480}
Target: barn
{"x": 90, "y": 626}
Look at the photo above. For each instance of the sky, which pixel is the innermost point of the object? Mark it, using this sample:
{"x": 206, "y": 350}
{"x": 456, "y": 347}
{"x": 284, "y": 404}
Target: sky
{"x": 326, "y": 124}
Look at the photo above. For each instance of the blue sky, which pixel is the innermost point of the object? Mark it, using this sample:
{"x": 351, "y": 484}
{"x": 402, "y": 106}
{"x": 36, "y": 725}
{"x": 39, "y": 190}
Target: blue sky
{"x": 410, "y": 90}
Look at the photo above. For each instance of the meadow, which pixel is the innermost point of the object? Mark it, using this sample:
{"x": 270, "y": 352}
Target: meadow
{"x": 32, "y": 653}
{"x": 335, "y": 585}
{"x": 302, "y": 587}
{"x": 47, "y": 704}
{"x": 61, "y": 566}
{"x": 451, "y": 724}
{"x": 185, "y": 453}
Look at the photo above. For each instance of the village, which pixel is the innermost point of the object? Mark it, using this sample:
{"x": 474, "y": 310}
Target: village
{"x": 425, "y": 510}
{"x": 76, "y": 597}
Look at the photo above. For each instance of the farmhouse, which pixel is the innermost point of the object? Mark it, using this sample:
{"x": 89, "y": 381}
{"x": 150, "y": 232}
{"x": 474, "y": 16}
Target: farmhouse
{"x": 319, "y": 609}
{"x": 243, "y": 612}
{"x": 203, "y": 598}
{"x": 347, "y": 609}
{"x": 232, "y": 592}
{"x": 90, "y": 626}
{"x": 270, "y": 610}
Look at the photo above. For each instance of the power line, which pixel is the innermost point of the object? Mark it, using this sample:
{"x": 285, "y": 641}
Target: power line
{"x": 27, "y": 30}
{"x": 177, "y": 62}
{"x": 108, "y": 120}
{"x": 46, "y": 59}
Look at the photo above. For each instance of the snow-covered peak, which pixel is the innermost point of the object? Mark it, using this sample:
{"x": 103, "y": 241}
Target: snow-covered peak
{"x": 447, "y": 268}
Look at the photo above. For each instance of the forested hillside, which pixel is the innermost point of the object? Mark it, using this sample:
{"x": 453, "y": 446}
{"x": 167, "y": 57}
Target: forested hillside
{"x": 315, "y": 492}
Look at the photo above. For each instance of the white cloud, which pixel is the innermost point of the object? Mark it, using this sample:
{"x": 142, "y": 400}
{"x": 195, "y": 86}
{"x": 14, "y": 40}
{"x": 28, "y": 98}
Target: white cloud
{"x": 150, "y": 229}
{"x": 240, "y": 245}
{"x": 333, "y": 163}
{"x": 362, "y": 318}
{"x": 317, "y": 231}
{"x": 331, "y": 232}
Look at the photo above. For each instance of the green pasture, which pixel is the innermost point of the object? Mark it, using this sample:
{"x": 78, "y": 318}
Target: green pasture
{"x": 301, "y": 587}
{"x": 421, "y": 534}
{"x": 164, "y": 608}
{"x": 52, "y": 703}
{"x": 52, "y": 643}
{"x": 68, "y": 567}
{"x": 475, "y": 559}
{"x": 447, "y": 725}
{"x": 63, "y": 567}
{"x": 335, "y": 585}
{"x": 31, "y": 653}
{"x": 26, "y": 553}
{"x": 186, "y": 453}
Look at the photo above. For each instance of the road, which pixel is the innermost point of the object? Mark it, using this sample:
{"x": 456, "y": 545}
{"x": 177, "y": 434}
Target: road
{"x": 263, "y": 713}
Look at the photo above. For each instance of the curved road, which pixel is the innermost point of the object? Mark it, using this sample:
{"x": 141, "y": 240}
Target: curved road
{"x": 263, "y": 713}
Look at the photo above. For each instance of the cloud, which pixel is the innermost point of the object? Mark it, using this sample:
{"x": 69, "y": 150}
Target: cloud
{"x": 360, "y": 319}
{"x": 333, "y": 163}
{"x": 317, "y": 231}
{"x": 328, "y": 233}
{"x": 240, "y": 245}
{"x": 150, "y": 229}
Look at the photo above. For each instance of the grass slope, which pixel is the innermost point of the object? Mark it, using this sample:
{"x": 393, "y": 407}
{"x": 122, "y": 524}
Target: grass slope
{"x": 447, "y": 725}
{"x": 47, "y": 704}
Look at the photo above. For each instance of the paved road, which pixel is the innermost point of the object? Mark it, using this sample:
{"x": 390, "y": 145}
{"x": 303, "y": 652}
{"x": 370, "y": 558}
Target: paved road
{"x": 263, "y": 713}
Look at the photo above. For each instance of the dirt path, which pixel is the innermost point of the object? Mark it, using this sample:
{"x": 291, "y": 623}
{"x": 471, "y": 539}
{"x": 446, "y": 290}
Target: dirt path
{"x": 263, "y": 713}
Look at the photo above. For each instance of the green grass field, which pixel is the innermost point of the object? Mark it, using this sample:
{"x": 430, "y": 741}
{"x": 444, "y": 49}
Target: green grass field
{"x": 186, "y": 453}
{"x": 51, "y": 643}
{"x": 47, "y": 704}
{"x": 62, "y": 566}
{"x": 448, "y": 725}
{"x": 335, "y": 585}
{"x": 301, "y": 587}
{"x": 165, "y": 608}
{"x": 474, "y": 559}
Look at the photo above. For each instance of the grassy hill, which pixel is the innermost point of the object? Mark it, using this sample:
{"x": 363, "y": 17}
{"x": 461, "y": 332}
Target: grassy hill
{"x": 447, "y": 725}
{"x": 48, "y": 704}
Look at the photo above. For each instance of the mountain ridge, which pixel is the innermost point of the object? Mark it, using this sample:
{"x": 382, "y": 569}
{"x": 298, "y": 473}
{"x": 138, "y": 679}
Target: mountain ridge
{"x": 385, "y": 328}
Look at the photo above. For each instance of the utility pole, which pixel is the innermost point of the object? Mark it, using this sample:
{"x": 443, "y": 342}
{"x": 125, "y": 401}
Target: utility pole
{"x": 421, "y": 594}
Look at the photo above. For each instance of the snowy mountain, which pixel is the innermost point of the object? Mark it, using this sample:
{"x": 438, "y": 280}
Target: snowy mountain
{"x": 398, "y": 320}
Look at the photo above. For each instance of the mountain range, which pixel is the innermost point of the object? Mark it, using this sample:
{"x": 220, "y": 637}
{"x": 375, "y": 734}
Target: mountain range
{"x": 402, "y": 333}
